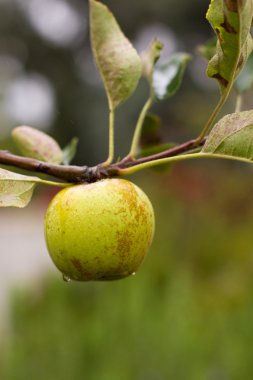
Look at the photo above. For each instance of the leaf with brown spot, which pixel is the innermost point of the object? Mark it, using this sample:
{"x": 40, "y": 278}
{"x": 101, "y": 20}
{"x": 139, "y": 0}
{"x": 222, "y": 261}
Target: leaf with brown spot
{"x": 232, "y": 136}
{"x": 231, "y": 21}
{"x": 231, "y": 5}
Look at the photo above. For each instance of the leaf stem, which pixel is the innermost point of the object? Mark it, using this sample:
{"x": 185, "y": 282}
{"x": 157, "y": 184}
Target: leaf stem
{"x": 36, "y": 180}
{"x": 214, "y": 114}
{"x": 238, "y": 104}
{"x": 111, "y": 138}
{"x": 137, "y": 132}
{"x": 52, "y": 183}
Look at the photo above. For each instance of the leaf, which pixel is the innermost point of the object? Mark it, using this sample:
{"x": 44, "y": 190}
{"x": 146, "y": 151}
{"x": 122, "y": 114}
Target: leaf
{"x": 69, "y": 151}
{"x": 151, "y": 140}
{"x": 36, "y": 144}
{"x": 232, "y": 136}
{"x": 167, "y": 77}
{"x": 15, "y": 189}
{"x": 245, "y": 80}
{"x": 208, "y": 49}
{"x": 150, "y": 133}
{"x": 149, "y": 58}
{"x": 118, "y": 62}
{"x": 231, "y": 21}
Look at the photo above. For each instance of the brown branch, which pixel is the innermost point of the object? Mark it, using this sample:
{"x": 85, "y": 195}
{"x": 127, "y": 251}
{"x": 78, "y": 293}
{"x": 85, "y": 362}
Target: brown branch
{"x": 65, "y": 172}
{"x": 175, "y": 151}
{"x": 79, "y": 174}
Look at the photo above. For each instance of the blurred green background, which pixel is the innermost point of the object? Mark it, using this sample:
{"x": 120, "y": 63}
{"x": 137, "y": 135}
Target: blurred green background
{"x": 188, "y": 313}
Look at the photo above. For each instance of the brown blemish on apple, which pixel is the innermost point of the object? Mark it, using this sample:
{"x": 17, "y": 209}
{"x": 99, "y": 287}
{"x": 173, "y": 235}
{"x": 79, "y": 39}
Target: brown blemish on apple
{"x": 84, "y": 273}
{"x": 130, "y": 197}
{"x": 124, "y": 243}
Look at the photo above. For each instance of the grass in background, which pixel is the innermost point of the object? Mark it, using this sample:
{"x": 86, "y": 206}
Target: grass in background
{"x": 187, "y": 314}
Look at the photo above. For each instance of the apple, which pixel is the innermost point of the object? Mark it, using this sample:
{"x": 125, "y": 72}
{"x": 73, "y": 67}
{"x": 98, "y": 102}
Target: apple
{"x": 99, "y": 231}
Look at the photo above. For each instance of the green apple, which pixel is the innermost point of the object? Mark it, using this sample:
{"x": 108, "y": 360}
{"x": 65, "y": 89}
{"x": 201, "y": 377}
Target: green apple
{"x": 99, "y": 231}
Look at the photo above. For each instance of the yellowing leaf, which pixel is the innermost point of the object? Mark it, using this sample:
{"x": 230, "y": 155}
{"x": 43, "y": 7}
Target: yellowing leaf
{"x": 232, "y": 136}
{"x": 15, "y": 189}
{"x": 149, "y": 58}
{"x": 118, "y": 62}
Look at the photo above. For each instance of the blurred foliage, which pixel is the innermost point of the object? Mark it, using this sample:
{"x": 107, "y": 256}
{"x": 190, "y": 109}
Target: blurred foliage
{"x": 187, "y": 314}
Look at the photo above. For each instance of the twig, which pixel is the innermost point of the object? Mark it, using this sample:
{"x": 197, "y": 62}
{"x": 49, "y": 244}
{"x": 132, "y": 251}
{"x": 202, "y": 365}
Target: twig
{"x": 65, "y": 172}
{"x": 80, "y": 174}
{"x": 179, "y": 149}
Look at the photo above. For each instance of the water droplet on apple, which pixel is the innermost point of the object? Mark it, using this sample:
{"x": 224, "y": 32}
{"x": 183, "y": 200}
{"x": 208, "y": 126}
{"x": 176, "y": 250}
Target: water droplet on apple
{"x": 65, "y": 278}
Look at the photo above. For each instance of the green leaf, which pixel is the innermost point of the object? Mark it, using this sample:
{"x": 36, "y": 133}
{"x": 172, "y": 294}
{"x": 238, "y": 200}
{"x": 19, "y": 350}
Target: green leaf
{"x": 208, "y": 49}
{"x": 168, "y": 77}
{"x": 150, "y": 133}
{"x": 232, "y": 136}
{"x": 118, "y": 62}
{"x": 149, "y": 58}
{"x": 151, "y": 140}
{"x": 69, "y": 151}
{"x": 245, "y": 80}
{"x": 36, "y": 144}
{"x": 231, "y": 21}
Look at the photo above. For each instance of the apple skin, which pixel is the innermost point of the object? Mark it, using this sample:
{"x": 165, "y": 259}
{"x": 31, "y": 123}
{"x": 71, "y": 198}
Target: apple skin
{"x": 99, "y": 231}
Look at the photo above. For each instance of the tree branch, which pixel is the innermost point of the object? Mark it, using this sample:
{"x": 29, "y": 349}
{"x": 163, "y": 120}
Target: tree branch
{"x": 79, "y": 174}
{"x": 175, "y": 151}
{"x": 65, "y": 172}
